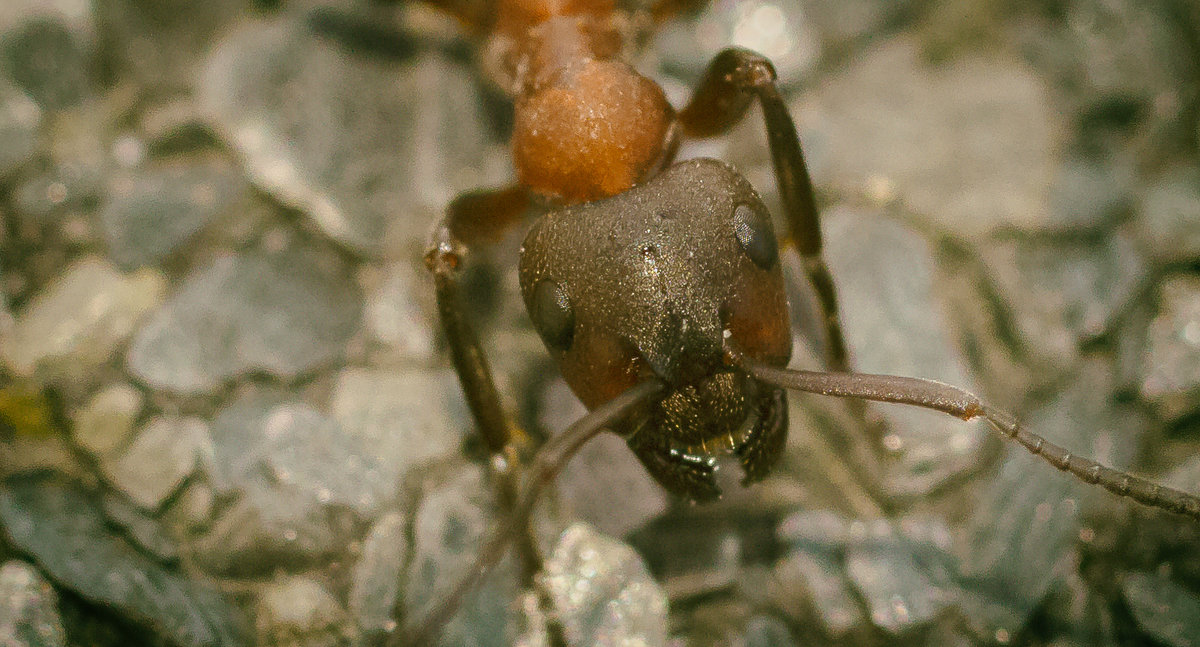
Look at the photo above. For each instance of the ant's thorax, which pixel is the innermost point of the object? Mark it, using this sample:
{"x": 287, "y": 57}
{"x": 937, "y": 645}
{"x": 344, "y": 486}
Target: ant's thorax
{"x": 587, "y": 125}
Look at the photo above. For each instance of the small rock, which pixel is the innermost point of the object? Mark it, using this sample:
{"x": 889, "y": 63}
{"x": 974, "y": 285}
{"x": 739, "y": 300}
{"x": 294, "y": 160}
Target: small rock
{"x": 28, "y": 609}
{"x": 64, "y": 531}
{"x": 1185, "y": 476}
{"x": 297, "y": 480}
{"x": 63, "y": 189}
{"x": 104, "y": 424}
{"x": 376, "y": 578}
{"x": 822, "y": 577}
{"x": 602, "y": 592}
{"x": 162, "y": 454}
{"x": 49, "y": 60}
{"x": 354, "y": 142}
{"x": 158, "y": 44}
{"x": 1169, "y": 216}
{"x": 1085, "y": 614}
{"x": 927, "y": 135}
{"x": 141, "y": 528}
{"x": 151, "y": 212}
{"x": 279, "y": 314}
{"x": 268, "y": 530}
{"x": 402, "y": 314}
{"x": 1132, "y": 52}
{"x": 767, "y": 631}
{"x": 1063, "y": 294}
{"x": 401, "y": 419}
{"x": 784, "y": 32}
{"x": 75, "y": 323}
{"x": 902, "y": 569}
{"x": 20, "y": 118}
{"x": 191, "y": 510}
{"x": 296, "y": 611}
{"x": 893, "y": 316}
{"x": 1164, "y": 609}
{"x": 1088, "y": 195}
{"x": 1020, "y": 538}
{"x": 265, "y": 441}
{"x": 451, "y": 521}
{"x": 904, "y": 572}
{"x": 1171, "y": 367}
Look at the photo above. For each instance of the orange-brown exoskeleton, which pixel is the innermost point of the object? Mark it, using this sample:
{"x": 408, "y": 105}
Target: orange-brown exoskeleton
{"x": 657, "y": 286}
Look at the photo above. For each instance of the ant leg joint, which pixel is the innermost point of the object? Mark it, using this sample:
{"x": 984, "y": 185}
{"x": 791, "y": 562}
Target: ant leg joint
{"x": 747, "y": 69}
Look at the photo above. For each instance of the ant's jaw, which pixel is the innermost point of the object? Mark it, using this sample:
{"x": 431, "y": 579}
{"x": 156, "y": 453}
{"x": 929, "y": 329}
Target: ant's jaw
{"x": 684, "y": 438}
{"x": 706, "y": 416}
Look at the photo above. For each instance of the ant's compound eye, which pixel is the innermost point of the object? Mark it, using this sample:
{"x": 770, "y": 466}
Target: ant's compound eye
{"x": 756, "y": 236}
{"x": 552, "y": 315}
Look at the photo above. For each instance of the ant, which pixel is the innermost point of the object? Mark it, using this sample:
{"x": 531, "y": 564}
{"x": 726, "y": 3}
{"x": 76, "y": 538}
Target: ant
{"x": 656, "y": 286}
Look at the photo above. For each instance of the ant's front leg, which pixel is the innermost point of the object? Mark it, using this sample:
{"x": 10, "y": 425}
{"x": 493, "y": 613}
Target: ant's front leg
{"x": 733, "y": 79}
{"x": 476, "y": 218}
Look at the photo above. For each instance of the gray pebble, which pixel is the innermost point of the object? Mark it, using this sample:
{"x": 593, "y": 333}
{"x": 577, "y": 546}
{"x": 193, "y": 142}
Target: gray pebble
{"x": 275, "y": 313}
{"x": 767, "y": 631}
{"x": 158, "y": 459}
{"x": 76, "y": 322}
{"x": 49, "y": 59}
{"x": 296, "y": 611}
{"x": 376, "y": 577}
{"x": 927, "y": 136}
{"x": 143, "y": 529}
{"x": 1019, "y": 539}
{"x": 400, "y": 418}
{"x": 150, "y": 213}
{"x": 63, "y": 189}
{"x": 64, "y": 531}
{"x": 1165, "y": 609}
{"x": 355, "y": 143}
{"x": 904, "y": 572}
{"x": 893, "y": 317}
{"x": 451, "y": 522}
{"x": 20, "y": 118}
{"x": 1171, "y": 365}
{"x": 297, "y": 479}
{"x": 401, "y": 313}
{"x": 104, "y": 424}
{"x": 28, "y": 608}
{"x": 1169, "y": 216}
{"x": 817, "y": 578}
{"x": 602, "y": 592}
{"x": 1062, "y": 294}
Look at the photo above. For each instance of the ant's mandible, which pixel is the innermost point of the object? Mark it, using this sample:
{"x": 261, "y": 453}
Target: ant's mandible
{"x": 656, "y": 286}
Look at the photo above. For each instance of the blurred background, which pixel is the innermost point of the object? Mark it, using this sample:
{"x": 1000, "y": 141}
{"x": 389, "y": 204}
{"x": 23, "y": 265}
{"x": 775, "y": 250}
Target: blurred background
{"x": 227, "y": 415}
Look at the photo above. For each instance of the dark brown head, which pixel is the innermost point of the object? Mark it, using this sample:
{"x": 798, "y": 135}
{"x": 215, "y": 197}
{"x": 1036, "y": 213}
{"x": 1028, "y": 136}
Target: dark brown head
{"x": 656, "y": 282}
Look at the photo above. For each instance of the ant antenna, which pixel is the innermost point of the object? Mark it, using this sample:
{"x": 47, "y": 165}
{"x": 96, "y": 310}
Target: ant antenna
{"x": 930, "y": 394}
{"x": 548, "y": 462}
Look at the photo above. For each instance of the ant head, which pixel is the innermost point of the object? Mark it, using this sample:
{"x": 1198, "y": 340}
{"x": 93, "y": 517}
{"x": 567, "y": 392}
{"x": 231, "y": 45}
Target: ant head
{"x": 590, "y": 130}
{"x": 657, "y": 281}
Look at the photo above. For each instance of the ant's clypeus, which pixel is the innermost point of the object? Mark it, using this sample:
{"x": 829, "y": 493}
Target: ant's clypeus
{"x": 656, "y": 286}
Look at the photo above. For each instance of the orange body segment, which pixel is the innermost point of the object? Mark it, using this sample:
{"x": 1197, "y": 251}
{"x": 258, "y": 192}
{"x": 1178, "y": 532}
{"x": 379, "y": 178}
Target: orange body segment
{"x": 592, "y": 135}
{"x": 515, "y": 16}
